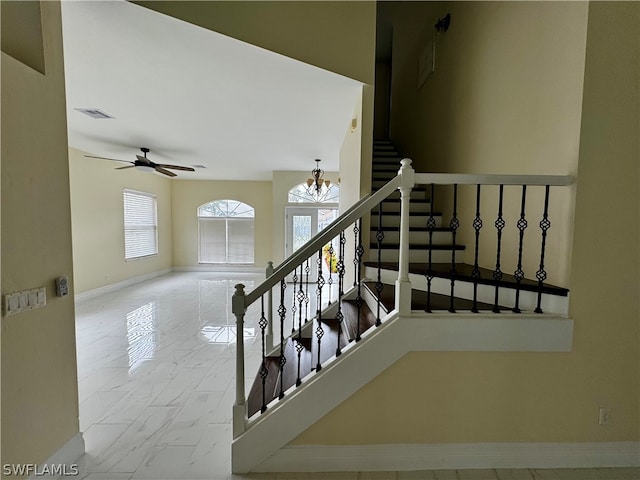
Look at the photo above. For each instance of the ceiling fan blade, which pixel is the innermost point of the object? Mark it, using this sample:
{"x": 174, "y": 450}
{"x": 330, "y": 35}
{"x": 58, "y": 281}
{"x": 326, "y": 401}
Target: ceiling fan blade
{"x": 177, "y": 167}
{"x": 143, "y": 159}
{"x": 128, "y": 166}
{"x": 166, "y": 172}
{"x": 105, "y": 158}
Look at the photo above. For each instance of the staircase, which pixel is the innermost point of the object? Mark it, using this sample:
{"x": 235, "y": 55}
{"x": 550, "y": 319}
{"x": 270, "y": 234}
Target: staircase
{"x": 433, "y": 257}
{"x": 406, "y": 288}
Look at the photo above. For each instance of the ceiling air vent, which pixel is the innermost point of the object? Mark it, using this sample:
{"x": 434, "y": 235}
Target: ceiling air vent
{"x": 94, "y": 112}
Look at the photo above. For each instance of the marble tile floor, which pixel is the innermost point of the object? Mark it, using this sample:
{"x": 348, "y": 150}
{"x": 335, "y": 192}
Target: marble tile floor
{"x": 156, "y": 382}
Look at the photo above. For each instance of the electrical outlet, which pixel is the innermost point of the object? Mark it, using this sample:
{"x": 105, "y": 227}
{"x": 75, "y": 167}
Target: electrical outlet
{"x": 603, "y": 417}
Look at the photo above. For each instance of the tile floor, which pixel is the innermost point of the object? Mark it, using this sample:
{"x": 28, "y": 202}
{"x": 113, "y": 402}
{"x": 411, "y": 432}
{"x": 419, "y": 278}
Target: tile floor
{"x": 156, "y": 369}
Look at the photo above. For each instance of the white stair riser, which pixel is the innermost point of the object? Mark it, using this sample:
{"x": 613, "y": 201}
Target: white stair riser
{"x": 415, "y": 194}
{"x": 392, "y": 208}
{"x": 414, "y": 220}
{"x": 555, "y": 304}
{"x": 437, "y": 256}
{"x": 414, "y": 237}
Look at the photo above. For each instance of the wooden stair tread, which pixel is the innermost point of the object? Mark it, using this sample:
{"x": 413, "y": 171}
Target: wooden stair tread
{"x": 374, "y": 228}
{"x": 254, "y": 400}
{"x": 419, "y": 300}
{"x": 419, "y": 246}
{"x": 289, "y": 373}
{"x": 350, "y": 312}
{"x": 463, "y": 272}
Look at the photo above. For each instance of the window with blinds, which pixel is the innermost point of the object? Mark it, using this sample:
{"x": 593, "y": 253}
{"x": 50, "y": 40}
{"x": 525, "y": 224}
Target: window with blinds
{"x": 140, "y": 224}
{"x": 226, "y": 232}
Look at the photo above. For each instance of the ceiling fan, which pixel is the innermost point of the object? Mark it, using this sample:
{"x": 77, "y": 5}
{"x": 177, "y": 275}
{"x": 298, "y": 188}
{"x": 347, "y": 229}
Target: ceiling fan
{"x": 143, "y": 162}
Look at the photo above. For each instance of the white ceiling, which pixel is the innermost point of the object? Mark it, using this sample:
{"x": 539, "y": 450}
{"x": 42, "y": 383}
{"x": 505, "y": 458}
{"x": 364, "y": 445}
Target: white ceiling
{"x": 196, "y": 97}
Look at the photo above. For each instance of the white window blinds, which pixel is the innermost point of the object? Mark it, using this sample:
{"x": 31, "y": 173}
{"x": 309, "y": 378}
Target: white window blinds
{"x": 213, "y": 240}
{"x": 226, "y": 232}
{"x": 140, "y": 224}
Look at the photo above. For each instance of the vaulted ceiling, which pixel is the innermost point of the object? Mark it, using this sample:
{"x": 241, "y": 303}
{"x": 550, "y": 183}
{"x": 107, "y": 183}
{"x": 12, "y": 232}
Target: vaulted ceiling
{"x": 196, "y": 97}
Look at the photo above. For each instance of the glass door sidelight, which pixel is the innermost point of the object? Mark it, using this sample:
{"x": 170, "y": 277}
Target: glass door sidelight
{"x": 302, "y": 223}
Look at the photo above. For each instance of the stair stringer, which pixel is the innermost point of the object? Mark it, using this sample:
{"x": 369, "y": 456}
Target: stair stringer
{"x": 320, "y": 393}
{"x": 257, "y": 448}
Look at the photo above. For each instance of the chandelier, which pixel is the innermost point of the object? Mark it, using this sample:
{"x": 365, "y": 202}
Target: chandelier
{"x": 317, "y": 185}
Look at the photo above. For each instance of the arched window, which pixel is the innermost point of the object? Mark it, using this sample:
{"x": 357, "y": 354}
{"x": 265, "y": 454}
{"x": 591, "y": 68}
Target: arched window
{"x": 300, "y": 194}
{"x": 226, "y": 232}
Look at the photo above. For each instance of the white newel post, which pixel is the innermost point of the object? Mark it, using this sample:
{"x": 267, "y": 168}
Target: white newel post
{"x": 269, "y": 333}
{"x": 403, "y": 285}
{"x": 240, "y": 407}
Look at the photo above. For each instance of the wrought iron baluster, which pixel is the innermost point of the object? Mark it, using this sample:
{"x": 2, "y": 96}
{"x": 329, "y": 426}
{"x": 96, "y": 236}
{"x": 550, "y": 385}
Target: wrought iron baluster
{"x": 475, "y": 273}
{"x": 341, "y": 264}
{"x": 264, "y": 371}
{"x": 545, "y": 225}
{"x": 331, "y": 251}
{"x": 319, "y": 329}
{"x": 307, "y": 270}
{"x": 299, "y": 349}
{"x": 282, "y": 311}
{"x": 431, "y": 225}
{"x": 359, "y": 301}
{"x": 300, "y": 297}
{"x": 356, "y": 231}
{"x": 293, "y": 300}
{"x": 340, "y": 267}
{"x": 379, "y": 286}
{"x": 454, "y": 224}
{"x": 497, "y": 273}
{"x": 522, "y": 225}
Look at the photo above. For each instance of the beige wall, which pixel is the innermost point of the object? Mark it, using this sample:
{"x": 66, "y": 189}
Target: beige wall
{"x": 188, "y": 195}
{"x": 329, "y": 35}
{"x": 505, "y": 98}
{"x": 536, "y": 397}
{"x": 39, "y": 383}
{"x": 98, "y": 222}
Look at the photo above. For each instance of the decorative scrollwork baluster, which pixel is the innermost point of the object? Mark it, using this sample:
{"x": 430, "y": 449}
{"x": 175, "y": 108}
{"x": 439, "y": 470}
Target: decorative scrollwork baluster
{"x": 453, "y": 224}
{"x": 431, "y": 225}
{"x": 262, "y": 323}
{"x": 300, "y": 296}
{"x": 282, "y": 311}
{"x": 359, "y": 300}
{"x": 497, "y": 273}
{"x": 331, "y": 252}
{"x": 319, "y": 329}
{"x": 522, "y": 225}
{"x": 356, "y": 231}
{"x": 341, "y": 264}
{"x": 299, "y": 349}
{"x": 545, "y": 225}
{"x": 475, "y": 272}
{"x": 307, "y": 271}
{"x": 293, "y": 300}
{"x": 340, "y": 267}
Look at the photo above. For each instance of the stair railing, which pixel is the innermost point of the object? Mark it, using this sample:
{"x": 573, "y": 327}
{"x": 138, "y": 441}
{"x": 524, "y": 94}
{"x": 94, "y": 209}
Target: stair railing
{"x": 497, "y": 275}
{"x": 298, "y": 267}
{"x": 298, "y": 264}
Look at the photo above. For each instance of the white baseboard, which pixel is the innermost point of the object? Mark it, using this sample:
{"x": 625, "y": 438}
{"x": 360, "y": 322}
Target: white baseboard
{"x": 379, "y": 349}
{"x": 222, "y": 268}
{"x": 112, "y": 287}
{"x": 69, "y": 456}
{"x": 320, "y": 458}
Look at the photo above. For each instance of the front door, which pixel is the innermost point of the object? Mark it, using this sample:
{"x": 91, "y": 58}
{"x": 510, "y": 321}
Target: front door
{"x": 302, "y": 224}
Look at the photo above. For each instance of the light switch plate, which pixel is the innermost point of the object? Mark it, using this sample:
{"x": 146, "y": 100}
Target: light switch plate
{"x": 17, "y": 302}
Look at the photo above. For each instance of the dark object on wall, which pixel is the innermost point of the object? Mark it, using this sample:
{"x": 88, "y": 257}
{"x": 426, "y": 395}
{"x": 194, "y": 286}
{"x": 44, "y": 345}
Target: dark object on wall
{"x": 443, "y": 23}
